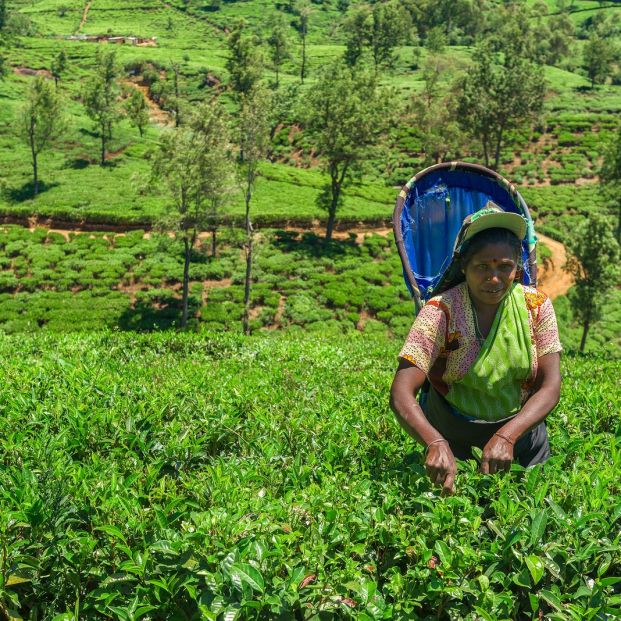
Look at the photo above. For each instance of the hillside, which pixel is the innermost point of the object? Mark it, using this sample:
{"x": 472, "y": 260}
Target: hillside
{"x": 555, "y": 164}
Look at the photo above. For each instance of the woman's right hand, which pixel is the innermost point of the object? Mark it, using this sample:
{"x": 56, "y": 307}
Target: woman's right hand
{"x": 441, "y": 466}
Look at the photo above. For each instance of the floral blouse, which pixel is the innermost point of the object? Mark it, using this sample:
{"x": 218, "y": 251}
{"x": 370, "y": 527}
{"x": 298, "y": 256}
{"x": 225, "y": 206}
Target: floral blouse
{"x": 443, "y": 343}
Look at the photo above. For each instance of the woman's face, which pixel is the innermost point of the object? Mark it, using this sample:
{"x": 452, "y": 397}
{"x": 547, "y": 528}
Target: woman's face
{"x": 490, "y": 272}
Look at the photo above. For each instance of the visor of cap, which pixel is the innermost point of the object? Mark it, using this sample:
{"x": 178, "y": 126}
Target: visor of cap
{"x": 514, "y": 222}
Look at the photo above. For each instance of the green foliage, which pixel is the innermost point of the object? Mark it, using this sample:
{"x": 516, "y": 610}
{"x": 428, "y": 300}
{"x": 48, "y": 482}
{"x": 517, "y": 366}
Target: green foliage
{"x": 611, "y": 175}
{"x": 244, "y": 63}
{"x": 137, "y": 111}
{"x": 41, "y": 121}
{"x": 215, "y": 476}
{"x": 100, "y": 96}
{"x": 598, "y": 55}
{"x": 499, "y": 94}
{"x": 346, "y": 116}
{"x": 58, "y": 66}
{"x": 194, "y": 163}
{"x": 593, "y": 261}
{"x": 278, "y": 43}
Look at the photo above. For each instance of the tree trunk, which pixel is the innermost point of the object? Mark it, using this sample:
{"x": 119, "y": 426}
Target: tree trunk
{"x": 213, "y": 242}
{"x": 35, "y": 172}
{"x": 485, "y": 151}
{"x": 585, "y": 330}
{"x": 186, "y": 281}
{"x": 103, "y": 145}
{"x": 336, "y": 193}
{"x": 248, "y": 249}
{"x": 497, "y": 151}
{"x": 277, "y": 66}
{"x": 303, "y": 71}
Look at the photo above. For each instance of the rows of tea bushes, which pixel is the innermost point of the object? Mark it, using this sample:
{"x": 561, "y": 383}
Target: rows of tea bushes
{"x": 90, "y": 281}
{"x": 211, "y": 476}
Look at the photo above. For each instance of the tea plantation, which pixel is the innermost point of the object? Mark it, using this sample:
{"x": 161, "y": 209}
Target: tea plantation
{"x": 212, "y": 476}
{"x": 153, "y": 474}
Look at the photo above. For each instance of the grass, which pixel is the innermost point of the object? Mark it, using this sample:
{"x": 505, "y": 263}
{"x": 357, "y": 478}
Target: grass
{"x": 181, "y": 476}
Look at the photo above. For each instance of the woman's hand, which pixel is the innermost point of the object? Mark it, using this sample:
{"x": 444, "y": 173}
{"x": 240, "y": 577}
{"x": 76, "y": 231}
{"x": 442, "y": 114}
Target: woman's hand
{"x": 497, "y": 455}
{"x": 441, "y": 466}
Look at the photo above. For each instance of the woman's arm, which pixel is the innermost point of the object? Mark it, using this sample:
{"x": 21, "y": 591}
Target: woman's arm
{"x": 440, "y": 461}
{"x": 498, "y": 452}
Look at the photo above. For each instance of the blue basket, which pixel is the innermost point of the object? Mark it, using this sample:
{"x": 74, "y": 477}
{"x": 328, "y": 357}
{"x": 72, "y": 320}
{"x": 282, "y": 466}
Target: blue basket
{"x": 429, "y": 213}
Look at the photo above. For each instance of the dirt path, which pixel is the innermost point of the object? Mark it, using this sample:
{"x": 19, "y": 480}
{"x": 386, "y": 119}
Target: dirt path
{"x": 87, "y": 8}
{"x": 157, "y": 116}
{"x": 553, "y": 280}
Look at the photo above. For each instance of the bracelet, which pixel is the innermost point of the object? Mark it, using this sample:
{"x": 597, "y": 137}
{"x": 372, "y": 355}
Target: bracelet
{"x": 511, "y": 442}
{"x": 436, "y": 442}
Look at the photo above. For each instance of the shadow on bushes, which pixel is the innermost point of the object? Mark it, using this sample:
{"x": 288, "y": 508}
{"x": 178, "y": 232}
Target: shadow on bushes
{"x": 78, "y": 163}
{"x": 311, "y": 244}
{"x": 26, "y": 192}
{"x": 145, "y": 317}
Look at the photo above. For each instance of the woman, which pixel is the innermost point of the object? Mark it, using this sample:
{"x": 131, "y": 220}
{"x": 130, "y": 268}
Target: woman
{"x": 486, "y": 354}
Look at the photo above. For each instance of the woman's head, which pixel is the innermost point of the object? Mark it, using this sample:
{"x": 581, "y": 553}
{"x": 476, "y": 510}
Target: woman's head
{"x": 490, "y": 261}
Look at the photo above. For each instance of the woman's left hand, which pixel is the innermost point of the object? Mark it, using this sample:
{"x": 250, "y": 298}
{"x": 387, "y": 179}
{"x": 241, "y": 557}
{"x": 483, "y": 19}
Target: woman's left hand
{"x": 497, "y": 455}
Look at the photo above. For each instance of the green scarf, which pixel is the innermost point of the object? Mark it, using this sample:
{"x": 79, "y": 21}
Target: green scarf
{"x": 490, "y": 390}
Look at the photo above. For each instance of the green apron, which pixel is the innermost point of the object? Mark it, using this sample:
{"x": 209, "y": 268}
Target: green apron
{"x": 491, "y": 389}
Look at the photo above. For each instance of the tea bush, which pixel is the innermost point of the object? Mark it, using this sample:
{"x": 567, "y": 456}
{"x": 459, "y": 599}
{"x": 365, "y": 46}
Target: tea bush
{"x": 211, "y": 476}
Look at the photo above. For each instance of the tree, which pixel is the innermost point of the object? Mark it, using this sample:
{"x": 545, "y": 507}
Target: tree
{"x": 194, "y": 163}
{"x": 303, "y": 11}
{"x": 41, "y": 121}
{"x": 434, "y": 111}
{"x": 59, "y": 65}
{"x": 278, "y": 43}
{"x": 346, "y": 115}
{"x": 244, "y": 63}
{"x": 610, "y": 175}
{"x": 379, "y": 28}
{"x": 254, "y": 128}
{"x": 499, "y": 92}
{"x": 100, "y": 97}
{"x": 137, "y": 111}
{"x": 593, "y": 257}
{"x": 4, "y": 13}
{"x": 390, "y": 26}
{"x": 174, "y": 100}
{"x": 356, "y": 26}
{"x": 598, "y": 56}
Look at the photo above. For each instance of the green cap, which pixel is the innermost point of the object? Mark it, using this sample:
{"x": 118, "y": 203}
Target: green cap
{"x": 491, "y": 217}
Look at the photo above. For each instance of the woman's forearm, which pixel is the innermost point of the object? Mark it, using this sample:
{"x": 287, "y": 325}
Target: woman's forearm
{"x": 535, "y": 410}
{"x": 411, "y": 417}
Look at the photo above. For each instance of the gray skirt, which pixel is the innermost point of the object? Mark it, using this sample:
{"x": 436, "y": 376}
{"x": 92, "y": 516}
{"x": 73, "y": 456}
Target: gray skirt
{"x": 462, "y": 434}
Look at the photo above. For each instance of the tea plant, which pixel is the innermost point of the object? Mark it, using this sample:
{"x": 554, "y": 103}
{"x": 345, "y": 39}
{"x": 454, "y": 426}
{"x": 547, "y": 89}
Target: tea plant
{"x": 211, "y": 476}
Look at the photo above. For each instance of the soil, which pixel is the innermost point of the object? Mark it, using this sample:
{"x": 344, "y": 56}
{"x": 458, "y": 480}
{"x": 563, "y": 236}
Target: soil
{"x": 156, "y": 114}
{"x": 553, "y": 280}
{"x": 87, "y": 8}
{"x": 32, "y": 72}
